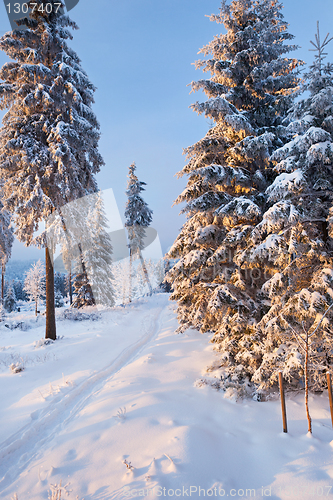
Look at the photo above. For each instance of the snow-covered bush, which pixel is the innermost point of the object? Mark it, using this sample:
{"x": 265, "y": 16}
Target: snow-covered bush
{"x": 21, "y": 325}
{"x": 17, "y": 367}
{"x": 75, "y": 315}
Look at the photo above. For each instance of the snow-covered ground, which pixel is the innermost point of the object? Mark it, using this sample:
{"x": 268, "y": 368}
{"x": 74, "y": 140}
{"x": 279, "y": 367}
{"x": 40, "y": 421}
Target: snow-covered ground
{"x": 122, "y": 387}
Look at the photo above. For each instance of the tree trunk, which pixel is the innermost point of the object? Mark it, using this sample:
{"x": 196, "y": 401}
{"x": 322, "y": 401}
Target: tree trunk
{"x": 2, "y": 282}
{"x": 307, "y": 385}
{"x": 50, "y": 331}
{"x": 145, "y": 272}
{"x": 324, "y": 226}
{"x": 36, "y": 305}
{"x": 283, "y": 403}
{"x": 70, "y": 286}
{"x": 130, "y": 277}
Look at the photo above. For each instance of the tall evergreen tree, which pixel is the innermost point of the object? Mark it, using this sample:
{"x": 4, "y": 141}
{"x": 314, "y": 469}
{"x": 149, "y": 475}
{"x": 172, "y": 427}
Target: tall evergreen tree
{"x": 60, "y": 283}
{"x": 296, "y": 239}
{"x": 20, "y": 293}
{"x": 69, "y": 227}
{"x": 250, "y": 88}
{"x": 97, "y": 252}
{"x": 124, "y": 281}
{"x": 81, "y": 227}
{"x": 82, "y": 289}
{"x": 49, "y": 139}
{"x": 138, "y": 217}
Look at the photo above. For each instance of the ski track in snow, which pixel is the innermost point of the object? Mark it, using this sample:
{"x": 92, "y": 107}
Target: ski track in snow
{"x": 28, "y": 443}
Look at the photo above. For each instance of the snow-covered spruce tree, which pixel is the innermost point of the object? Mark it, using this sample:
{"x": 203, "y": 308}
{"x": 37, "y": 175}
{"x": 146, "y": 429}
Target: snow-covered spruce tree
{"x": 20, "y": 293}
{"x": 251, "y": 86}
{"x": 58, "y": 299}
{"x": 97, "y": 252}
{"x": 138, "y": 216}
{"x": 81, "y": 228}
{"x": 158, "y": 270}
{"x": 6, "y": 243}
{"x": 9, "y": 302}
{"x": 49, "y": 138}
{"x": 34, "y": 283}
{"x": 59, "y": 283}
{"x": 69, "y": 286}
{"x": 121, "y": 271}
{"x": 69, "y": 227}
{"x": 83, "y": 295}
{"x": 295, "y": 239}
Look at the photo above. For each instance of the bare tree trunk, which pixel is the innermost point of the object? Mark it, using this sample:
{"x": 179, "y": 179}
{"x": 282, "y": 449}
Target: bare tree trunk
{"x": 50, "y": 331}
{"x": 2, "y": 281}
{"x": 307, "y": 383}
{"x": 283, "y": 403}
{"x": 36, "y": 302}
{"x": 130, "y": 277}
{"x": 330, "y": 396}
{"x": 70, "y": 285}
{"x": 124, "y": 285}
{"x": 145, "y": 272}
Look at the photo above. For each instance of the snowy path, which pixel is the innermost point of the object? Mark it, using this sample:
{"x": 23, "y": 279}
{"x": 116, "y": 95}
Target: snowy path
{"x": 29, "y": 442}
{"x": 178, "y": 437}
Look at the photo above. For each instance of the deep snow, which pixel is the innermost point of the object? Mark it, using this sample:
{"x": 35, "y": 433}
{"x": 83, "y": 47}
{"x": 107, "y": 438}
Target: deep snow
{"x": 124, "y": 388}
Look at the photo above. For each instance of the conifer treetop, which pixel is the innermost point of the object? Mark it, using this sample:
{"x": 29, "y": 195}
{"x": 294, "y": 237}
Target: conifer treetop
{"x": 320, "y": 75}
{"x": 246, "y": 64}
{"x": 137, "y": 212}
{"x": 319, "y": 48}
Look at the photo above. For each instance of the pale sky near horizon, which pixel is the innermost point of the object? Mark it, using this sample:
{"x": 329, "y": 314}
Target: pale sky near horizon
{"x": 139, "y": 55}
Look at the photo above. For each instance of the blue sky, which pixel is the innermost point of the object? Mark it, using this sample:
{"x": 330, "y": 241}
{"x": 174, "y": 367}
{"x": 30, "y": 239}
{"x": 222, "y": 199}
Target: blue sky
{"x": 139, "y": 55}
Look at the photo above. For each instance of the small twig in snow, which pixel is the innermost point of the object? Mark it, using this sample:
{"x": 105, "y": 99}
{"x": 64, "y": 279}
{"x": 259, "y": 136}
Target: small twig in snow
{"x": 41, "y": 395}
{"x": 128, "y": 465}
{"x": 169, "y": 458}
